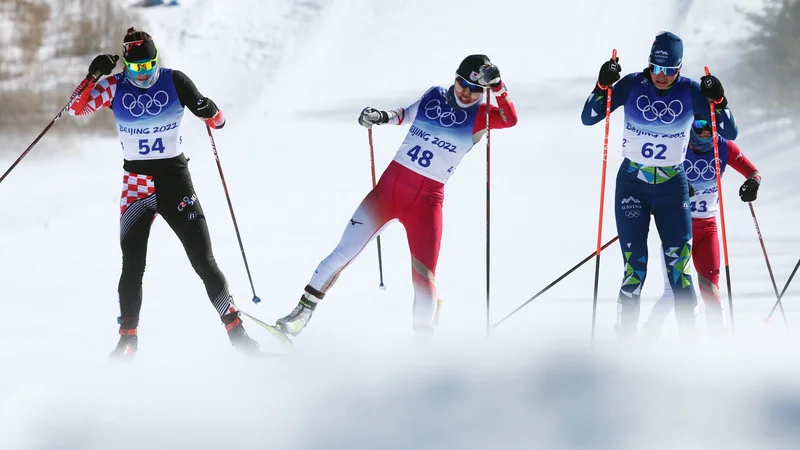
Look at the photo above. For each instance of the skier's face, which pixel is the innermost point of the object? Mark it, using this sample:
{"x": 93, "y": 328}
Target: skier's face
{"x": 467, "y": 92}
{"x": 702, "y": 128}
{"x": 663, "y": 81}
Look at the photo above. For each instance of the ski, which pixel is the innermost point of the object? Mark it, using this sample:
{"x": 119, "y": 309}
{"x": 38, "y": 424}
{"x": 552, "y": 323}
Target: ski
{"x": 274, "y": 331}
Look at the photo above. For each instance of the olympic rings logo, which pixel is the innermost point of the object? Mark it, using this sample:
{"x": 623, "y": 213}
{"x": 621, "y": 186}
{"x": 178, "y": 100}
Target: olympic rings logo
{"x": 633, "y": 213}
{"x": 659, "y": 109}
{"x": 152, "y": 105}
{"x": 700, "y": 170}
{"x": 447, "y": 116}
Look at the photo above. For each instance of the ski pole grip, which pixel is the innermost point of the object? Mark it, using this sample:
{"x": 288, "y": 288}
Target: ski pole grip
{"x": 97, "y": 74}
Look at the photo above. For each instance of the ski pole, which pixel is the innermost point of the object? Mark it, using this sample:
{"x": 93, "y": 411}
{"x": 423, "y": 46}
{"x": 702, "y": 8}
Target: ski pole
{"x": 488, "y": 210}
{"x": 769, "y": 266}
{"x": 75, "y": 95}
{"x": 721, "y": 209}
{"x": 768, "y": 319}
{"x": 602, "y": 200}
{"x": 556, "y": 281}
{"x": 256, "y": 298}
{"x": 378, "y": 238}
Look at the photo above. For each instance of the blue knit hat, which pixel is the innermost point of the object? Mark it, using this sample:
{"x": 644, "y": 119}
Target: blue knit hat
{"x": 667, "y": 50}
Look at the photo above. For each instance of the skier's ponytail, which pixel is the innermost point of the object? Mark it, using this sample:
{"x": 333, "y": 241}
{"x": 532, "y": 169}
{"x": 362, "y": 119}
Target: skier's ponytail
{"x": 135, "y": 35}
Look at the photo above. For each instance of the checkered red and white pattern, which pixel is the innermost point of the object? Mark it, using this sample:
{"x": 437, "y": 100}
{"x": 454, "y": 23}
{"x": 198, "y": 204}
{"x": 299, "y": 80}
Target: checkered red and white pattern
{"x": 99, "y": 96}
{"x": 135, "y": 187}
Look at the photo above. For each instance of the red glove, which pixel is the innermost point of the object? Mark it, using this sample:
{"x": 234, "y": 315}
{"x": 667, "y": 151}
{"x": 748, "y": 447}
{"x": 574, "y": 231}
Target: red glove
{"x": 216, "y": 122}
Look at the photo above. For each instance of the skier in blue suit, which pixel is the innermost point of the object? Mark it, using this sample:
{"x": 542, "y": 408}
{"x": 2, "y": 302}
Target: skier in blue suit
{"x": 660, "y": 106}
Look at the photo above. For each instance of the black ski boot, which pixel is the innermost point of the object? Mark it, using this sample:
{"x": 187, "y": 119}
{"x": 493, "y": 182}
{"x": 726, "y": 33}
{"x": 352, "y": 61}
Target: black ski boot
{"x": 128, "y": 340}
{"x": 238, "y": 336}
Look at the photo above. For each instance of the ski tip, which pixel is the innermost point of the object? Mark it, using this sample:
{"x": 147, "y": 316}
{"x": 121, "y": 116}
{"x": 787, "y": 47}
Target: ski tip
{"x": 256, "y": 299}
{"x": 767, "y": 320}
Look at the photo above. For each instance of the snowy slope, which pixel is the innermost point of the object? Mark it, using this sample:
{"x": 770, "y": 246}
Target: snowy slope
{"x": 292, "y": 77}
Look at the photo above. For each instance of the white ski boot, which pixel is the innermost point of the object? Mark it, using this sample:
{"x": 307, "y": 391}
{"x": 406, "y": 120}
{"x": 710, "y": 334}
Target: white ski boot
{"x": 294, "y": 323}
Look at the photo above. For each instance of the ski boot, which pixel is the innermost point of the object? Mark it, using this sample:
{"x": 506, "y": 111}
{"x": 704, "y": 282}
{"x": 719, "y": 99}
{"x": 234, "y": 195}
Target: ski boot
{"x": 238, "y": 336}
{"x": 294, "y": 323}
{"x": 128, "y": 339}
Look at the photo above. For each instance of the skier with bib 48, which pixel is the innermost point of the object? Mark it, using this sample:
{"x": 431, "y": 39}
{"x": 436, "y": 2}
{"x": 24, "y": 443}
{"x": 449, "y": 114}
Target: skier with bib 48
{"x": 660, "y": 106}
{"x": 445, "y": 124}
{"x": 701, "y": 173}
{"x": 148, "y": 103}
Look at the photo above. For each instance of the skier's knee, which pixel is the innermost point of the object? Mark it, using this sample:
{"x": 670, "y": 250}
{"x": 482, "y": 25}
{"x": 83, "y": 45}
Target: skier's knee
{"x": 132, "y": 272}
{"x": 205, "y": 267}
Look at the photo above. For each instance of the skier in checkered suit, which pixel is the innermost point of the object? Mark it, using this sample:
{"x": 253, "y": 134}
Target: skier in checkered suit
{"x": 148, "y": 102}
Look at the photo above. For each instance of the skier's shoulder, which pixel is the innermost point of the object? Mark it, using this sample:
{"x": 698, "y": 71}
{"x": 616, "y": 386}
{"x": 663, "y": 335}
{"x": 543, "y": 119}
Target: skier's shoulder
{"x": 626, "y": 84}
{"x": 115, "y": 79}
{"x": 435, "y": 90}
{"x": 685, "y": 83}
{"x": 635, "y": 77}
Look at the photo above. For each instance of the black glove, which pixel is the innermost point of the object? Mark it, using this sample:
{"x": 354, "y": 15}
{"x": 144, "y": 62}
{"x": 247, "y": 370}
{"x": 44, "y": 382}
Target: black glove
{"x": 711, "y": 87}
{"x": 489, "y": 76}
{"x": 691, "y": 191}
{"x": 749, "y": 190}
{"x": 609, "y": 72}
{"x": 371, "y": 116}
{"x": 205, "y": 108}
{"x": 104, "y": 64}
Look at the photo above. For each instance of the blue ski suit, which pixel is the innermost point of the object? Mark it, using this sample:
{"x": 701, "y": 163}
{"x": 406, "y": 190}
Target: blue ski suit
{"x": 652, "y": 181}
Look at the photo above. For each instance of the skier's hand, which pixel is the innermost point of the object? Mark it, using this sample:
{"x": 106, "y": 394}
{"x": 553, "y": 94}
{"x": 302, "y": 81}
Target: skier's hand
{"x": 371, "y": 116}
{"x": 609, "y": 73}
{"x": 205, "y": 108}
{"x": 711, "y": 87}
{"x": 216, "y": 122}
{"x": 749, "y": 190}
{"x": 104, "y": 64}
{"x": 489, "y": 75}
{"x": 691, "y": 191}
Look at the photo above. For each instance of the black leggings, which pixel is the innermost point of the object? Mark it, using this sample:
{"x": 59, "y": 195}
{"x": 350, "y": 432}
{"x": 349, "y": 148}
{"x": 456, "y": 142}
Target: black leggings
{"x": 175, "y": 200}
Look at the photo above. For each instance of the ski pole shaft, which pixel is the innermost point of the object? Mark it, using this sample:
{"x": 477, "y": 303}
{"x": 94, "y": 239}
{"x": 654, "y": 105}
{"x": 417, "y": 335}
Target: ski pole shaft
{"x": 785, "y": 286}
{"x": 256, "y": 298}
{"x": 488, "y": 211}
{"x": 602, "y": 201}
{"x": 556, "y": 281}
{"x": 378, "y": 238}
{"x": 713, "y": 113}
{"x": 77, "y": 93}
{"x": 769, "y": 266}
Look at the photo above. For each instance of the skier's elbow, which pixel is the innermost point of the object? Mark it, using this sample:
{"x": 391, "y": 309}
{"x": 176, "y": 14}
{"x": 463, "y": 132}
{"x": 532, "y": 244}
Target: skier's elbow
{"x": 586, "y": 120}
{"x": 511, "y": 121}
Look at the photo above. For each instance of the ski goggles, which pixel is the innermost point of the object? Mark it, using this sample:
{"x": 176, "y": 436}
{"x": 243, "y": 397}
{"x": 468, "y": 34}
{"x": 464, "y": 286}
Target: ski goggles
{"x": 668, "y": 71}
{"x": 141, "y": 66}
{"x": 701, "y": 125}
{"x": 474, "y": 88}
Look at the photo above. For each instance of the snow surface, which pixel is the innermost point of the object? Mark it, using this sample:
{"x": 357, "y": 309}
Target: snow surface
{"x": 292, "y": 76}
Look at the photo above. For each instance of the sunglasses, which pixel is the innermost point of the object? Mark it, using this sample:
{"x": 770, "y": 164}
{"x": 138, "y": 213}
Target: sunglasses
{"x": 701, "y": 125}
{"x": 668, "y": 71}
{"x": 474, "y": 88}
{"x": 141, "y": 66}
